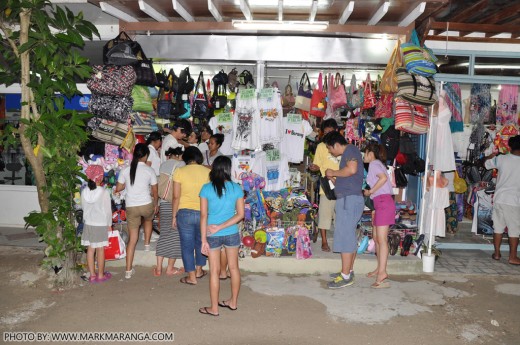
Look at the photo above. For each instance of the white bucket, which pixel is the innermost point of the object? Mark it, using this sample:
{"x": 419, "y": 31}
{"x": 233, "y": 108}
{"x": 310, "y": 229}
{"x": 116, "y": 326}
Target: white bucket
{"x": 428, "y": 262}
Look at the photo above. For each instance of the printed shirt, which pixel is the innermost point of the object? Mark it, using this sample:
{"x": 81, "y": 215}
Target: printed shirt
{"x": 295, "y": 131}
{"x": 223, "y": 124}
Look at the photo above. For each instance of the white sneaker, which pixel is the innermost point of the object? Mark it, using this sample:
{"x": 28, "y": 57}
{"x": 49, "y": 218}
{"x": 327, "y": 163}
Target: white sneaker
{"x": 146, "y": 247}
{"x": 129, "y": 274}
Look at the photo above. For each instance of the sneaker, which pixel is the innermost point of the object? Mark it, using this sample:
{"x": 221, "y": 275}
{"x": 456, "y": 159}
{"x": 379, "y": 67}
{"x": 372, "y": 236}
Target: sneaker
{"x": 335, "y": 275}
{"x": 339, "y": 282}
{"x": 129, "y": 274}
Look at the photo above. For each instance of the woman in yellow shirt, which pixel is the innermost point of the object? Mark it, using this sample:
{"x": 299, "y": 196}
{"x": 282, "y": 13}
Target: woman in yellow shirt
{"x": 187, "y": 183}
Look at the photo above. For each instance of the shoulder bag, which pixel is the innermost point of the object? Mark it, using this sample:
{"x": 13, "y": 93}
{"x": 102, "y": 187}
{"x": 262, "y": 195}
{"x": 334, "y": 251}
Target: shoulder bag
{"x": 303, "y": 99}
{"x": 418, "y": 60}
{"x": 112, "y": 80}
{"x": 389, "y": 78}
{"x": 319, "y": 99}
{"x": 355, "y": 96}
{"x": 165, "y": 186}
{"x": 337, "y": 94}
{"x": 415, "y": 88}
{"x": 200, "y": 103}
{"x": 411, "y": 118}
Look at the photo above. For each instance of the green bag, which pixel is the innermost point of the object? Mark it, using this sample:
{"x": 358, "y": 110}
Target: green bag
{"x": 142, "y": 99}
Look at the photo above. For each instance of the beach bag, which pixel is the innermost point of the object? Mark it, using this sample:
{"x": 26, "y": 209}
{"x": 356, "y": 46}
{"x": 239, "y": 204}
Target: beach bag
{"x": 385, "y": 106}
{"x": 111, "y": 132}
{"x": 355, "y": 96}
{"x": 116, "y": 249}
{"x": 389, "y": 78}
{"x": 319, "y": 99}
{"x": 143, "y": 123}
{"x": 113, "y": 108}
{"x": 165, "y": 186}
{"x": 411, "y": 118}
{"x": 369, "y": 98}
{"x": 418, "y": 60}
{"x": 337, "y": 95}
{"x": 415, "y": 88}
{"x": 288, "y": 100}
{"x": 112, "y": 80}
{"x": 142, "y": 99}
{"x": 459, "y": 184}
{"x": 122, "y": 51}
{"x": 303, "y": 99}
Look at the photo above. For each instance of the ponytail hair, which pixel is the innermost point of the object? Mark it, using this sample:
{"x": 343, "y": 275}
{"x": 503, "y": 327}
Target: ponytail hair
{"x": 140, "y": 151}
{"x": 220, "y": 173}
{"x": 91, "y": 184}
{"x": 153, "y": 136}
{"x": 378, "y": 150}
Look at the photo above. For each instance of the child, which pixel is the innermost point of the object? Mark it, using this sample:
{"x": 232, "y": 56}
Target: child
{"x": 97, "y": 215}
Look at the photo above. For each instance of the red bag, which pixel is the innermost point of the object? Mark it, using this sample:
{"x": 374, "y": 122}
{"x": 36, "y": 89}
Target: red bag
{"x": 384, "y": 106}
{"x": 337, "y": 94}
{"x": 410, "y": 117}
{"x": 369, "y": 99}
{"x": 319, "y": 99}
{"x": 116, "y": 248}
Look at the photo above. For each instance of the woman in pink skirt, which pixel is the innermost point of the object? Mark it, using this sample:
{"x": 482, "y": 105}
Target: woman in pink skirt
{"x": 384, "y": 205}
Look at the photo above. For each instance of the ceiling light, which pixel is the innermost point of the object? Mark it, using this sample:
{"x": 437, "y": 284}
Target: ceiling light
{"x": 412, "y": 16}
{"x": 115, "y": 12}
{"x": 279, "y": 25}
{"x": 244, "y": 7}
{"x": 152, "y": 12}
{"x": 280, "y": 10}
{"x": 380, "y": 13}
{"x": 314, "y": 9}
{"x": 346, "y": 13}
{"x": 214, "y": 12}
{"x": 182, "y": 11}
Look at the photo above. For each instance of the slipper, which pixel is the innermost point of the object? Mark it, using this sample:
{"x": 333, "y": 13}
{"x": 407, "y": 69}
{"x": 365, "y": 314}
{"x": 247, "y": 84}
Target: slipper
{"x": 206, "y": 312}
{"x": 106, "y": 277}
{"x": 495, "y": 257}
{"x": 155, "y": 273}
{"x": 176, "y": 271}
{"x": 185, "y": 280}
{"x": 371, "y": 274}
{"x": 204, "y": 273}
{"x": 384, "y": 284}
{"x": 325, "y": 248}
{"x": 224, "y": 305}
{"x": 514, "y": 263}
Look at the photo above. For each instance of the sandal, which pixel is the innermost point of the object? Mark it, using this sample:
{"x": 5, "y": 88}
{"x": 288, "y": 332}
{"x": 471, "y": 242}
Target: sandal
{"x": 105, "y": 277}
{"x": 496, "y": 257}
{"x": 383, "y": 284}
{"x": 325, "y": 248}
{"x": 176, "y": 271}
{"x": 156, "y": 273}
{"x": 206, "y": 312}
{"x": 204, "y": 273}
{"x": 185, "y": 280}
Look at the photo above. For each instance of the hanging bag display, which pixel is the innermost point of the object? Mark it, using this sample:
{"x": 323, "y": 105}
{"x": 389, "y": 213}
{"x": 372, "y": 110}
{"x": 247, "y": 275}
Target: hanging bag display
{"x": 112, "y": 80}
{"x": 389, "y": 78}
{"x": 337, "y": 94}
{"x": 411, "y": 118}
{"x": 384, "y": 106}
{"x": 122, "y": 51}
{"x": 288, "y": 100}
{"x": 355, "y": 96}
{"x": 418, "y": 60}
{"x": 111, "y": 132}
{"x": 144, "y": 71}
{"x": 319, "y": 99}
{"x": 415, "y": 88}
{"x": 303, "y": 99}
{"x": 369, "y": 98}
{"x": 200, "y": 104}
{"x": 111, "y": 108}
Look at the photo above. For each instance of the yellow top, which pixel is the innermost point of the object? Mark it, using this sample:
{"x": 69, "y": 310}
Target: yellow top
{"x": 325, "y": 160}
{"x": 191, "y": 177}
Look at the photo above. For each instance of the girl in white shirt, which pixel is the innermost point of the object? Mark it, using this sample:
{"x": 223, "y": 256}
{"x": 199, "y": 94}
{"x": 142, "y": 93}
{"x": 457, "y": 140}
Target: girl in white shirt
{"x": 154, "y": 141}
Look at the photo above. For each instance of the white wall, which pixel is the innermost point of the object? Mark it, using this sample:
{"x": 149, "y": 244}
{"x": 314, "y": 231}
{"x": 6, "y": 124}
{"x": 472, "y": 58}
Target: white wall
{"x": 15, "y": 203}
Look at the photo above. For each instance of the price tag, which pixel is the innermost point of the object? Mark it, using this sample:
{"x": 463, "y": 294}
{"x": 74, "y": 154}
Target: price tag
{"x": 294, "y": 118}
{"x": 217, "y": 104}
{"x": 272, "y": 155}
{"x": 247, "y": 94}
{"x": 224, "y": 117}
{"x": 266, "y": 93}
{"x": 184, "y": 97}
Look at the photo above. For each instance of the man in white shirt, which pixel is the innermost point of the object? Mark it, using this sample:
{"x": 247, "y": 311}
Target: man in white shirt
{"x": 180, "y": 129}
{"x": 506, "y": 201}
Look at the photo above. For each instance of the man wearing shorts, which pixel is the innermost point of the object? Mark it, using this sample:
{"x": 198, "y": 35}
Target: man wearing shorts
{"x": 350, "y": 203}
{"x": 506, "y": 201}
{"x": 323, "y": 160}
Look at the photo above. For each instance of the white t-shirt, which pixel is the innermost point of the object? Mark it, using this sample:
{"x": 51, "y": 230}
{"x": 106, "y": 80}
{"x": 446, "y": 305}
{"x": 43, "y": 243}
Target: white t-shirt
{"x": 168, "y": 141}
{"x": 138, "y": 194}
{"x": 295, "y": 131}
{"x": 507, "y": 190}
{"x": 253, "y": 162}
{"x": 155, "y": 159}
{"x": 223, "y": 124}
{"x": 246, "y": 123}
{"x": 276, "y": 171}
{"x": 271, "y": 116}
{"x": 204, "y": 145}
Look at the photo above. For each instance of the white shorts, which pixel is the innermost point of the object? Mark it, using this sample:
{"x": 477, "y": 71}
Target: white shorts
{"x": 326, "y": 212}
{"x": 506, "y": 216}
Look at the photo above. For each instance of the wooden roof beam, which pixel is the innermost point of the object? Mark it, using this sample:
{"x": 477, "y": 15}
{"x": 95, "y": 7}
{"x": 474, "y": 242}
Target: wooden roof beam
{"x": 466, "y": 13}
{"x": 505, "y": 16}
{"x": 465, "y": 27}
{"x": 474, "y": 39}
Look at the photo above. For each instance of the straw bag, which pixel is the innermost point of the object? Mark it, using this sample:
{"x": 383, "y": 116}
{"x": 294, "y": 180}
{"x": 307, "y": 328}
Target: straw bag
{"x": 411, "y": 118}
{"x": 418, "y": 60}
{"x": 389, "y": 78}
{"x": 415, "y": 88}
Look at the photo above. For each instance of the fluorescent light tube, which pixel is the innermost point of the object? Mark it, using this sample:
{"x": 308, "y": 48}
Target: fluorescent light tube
{"x": 182, "y": 11}
{"x": 115, "y": 12}
{"x": 214, "y": 12}
{"x": 380, "y": 13}
{"x": 412, "y": 16}
{"x": 279, "y": 25}
{"x": 152, "y": 12}
{"x": 346, "y": 13}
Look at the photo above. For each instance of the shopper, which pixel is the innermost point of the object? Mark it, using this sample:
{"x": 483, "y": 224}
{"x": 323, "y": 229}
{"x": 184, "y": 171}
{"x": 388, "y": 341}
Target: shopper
{"x": 140, "y": 183}
{"x": 205, "y": 134}
{"x": 221, "y": 208}
{"x": 384, "y": 208}
{"x": 179, "y": 131}
{"x": 187, "y": 183}
{"x": 323, "y": 160}
{"x": 348, "y": 181}
{"x": 97, "y": 216}
{"x": 506, "y": 201}
{"x": 154, "y": 141}
{"x": 214, "y": 144}
{"x": 169, "y": 243}
{"x": 193, "y": 139}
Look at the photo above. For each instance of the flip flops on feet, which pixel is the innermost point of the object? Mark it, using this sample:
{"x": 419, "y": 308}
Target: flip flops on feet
{"x": 176, "y": 271}
{"x": 384, "y": 284}
{"x": 185, "y": 280}
{"x": 495, "y": 257}
{"x": 156, "y": 273}
{"x": 325, "y": 248}
{"x": 204, "y": 273}
{"x": 206, "y": 312}
{"x": 223, "y": 304}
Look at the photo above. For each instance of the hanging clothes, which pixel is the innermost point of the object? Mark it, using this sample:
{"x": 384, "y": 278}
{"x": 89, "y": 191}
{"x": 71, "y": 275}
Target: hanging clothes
{"x": 293, "y": 141}
{"x": 270, "y": 108}
{"x": 246, "y": 121}
{"x": 507, "y": 107}
{"x": 443, "y": 157}
{"x": 454, "y": 102}
{"x": 435, "y": 209}
{"x": 480, "y": 103}
{"x": 223, "y": 123}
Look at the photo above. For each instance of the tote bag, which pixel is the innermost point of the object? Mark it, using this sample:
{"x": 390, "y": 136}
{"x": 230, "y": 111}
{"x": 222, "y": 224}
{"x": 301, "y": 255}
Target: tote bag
{"x": 415, "y": 89}
{"x": 319, "y": 99}
{"x": 288, "y": 100}
{"x": 303, "y": 100}
{"x": 355, "y": 95}
{"x": 369, "y": 99}
{"x": 418, "y": 60}
{"x": 384, "y": 106}
{"x": 411, "y": 118}
{"x": 116, "y": 248}
{"x": 337, "y": 95}
{"x": 389, "y": 78}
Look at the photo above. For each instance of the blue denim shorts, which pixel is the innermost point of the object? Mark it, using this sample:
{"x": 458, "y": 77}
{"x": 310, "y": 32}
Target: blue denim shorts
{"x": 228, "y": 241}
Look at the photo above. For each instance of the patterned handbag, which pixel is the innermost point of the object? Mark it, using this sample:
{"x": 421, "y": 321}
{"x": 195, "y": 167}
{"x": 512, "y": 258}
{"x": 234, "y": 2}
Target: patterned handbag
{"x": 411, "y": 118}
{"x": 143, "y": 123}
{"x": 319, "y": 99}
{"x": 111, "y": 132}
{"x": 337, "y": 94}
{"x": 112, "y": 80}
{"x": 369, "y": 99}
{"x": 355, "y": 96}
{"x": 384, "y": 106}
{"x": 418, "y": 60}
{"x": 415, "y": 88}
{"x": 112, "y": 108}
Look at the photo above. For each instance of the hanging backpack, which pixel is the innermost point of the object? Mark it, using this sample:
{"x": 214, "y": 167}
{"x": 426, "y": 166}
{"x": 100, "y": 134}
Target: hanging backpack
{"x": 200, "y": 108}
{"x": 233, "y": 79}
{"x": 219, "y": 97}
{"x": 246, "y": 78}
{"x": 186, "y": 82}
{"x": 122, "y": 50}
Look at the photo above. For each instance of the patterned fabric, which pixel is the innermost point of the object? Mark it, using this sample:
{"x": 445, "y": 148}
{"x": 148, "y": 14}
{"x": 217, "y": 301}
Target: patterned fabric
{"x": 480, "y": 103}
{"x": 507, "y": 107}
{"x": 451, "y": 211}
{"x": 454, "y": 102}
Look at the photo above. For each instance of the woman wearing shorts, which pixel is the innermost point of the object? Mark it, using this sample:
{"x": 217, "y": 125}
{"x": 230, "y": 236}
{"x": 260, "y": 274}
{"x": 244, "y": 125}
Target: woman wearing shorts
{"x": 221, "y": 208}
{"x": 140, "y": 182}
{"x": 384, "y": 205}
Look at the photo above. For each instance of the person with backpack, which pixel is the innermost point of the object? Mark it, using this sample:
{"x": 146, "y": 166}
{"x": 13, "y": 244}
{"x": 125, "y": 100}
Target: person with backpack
{"x": 506, "y": 201}
{"x": 348, "y": 180}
